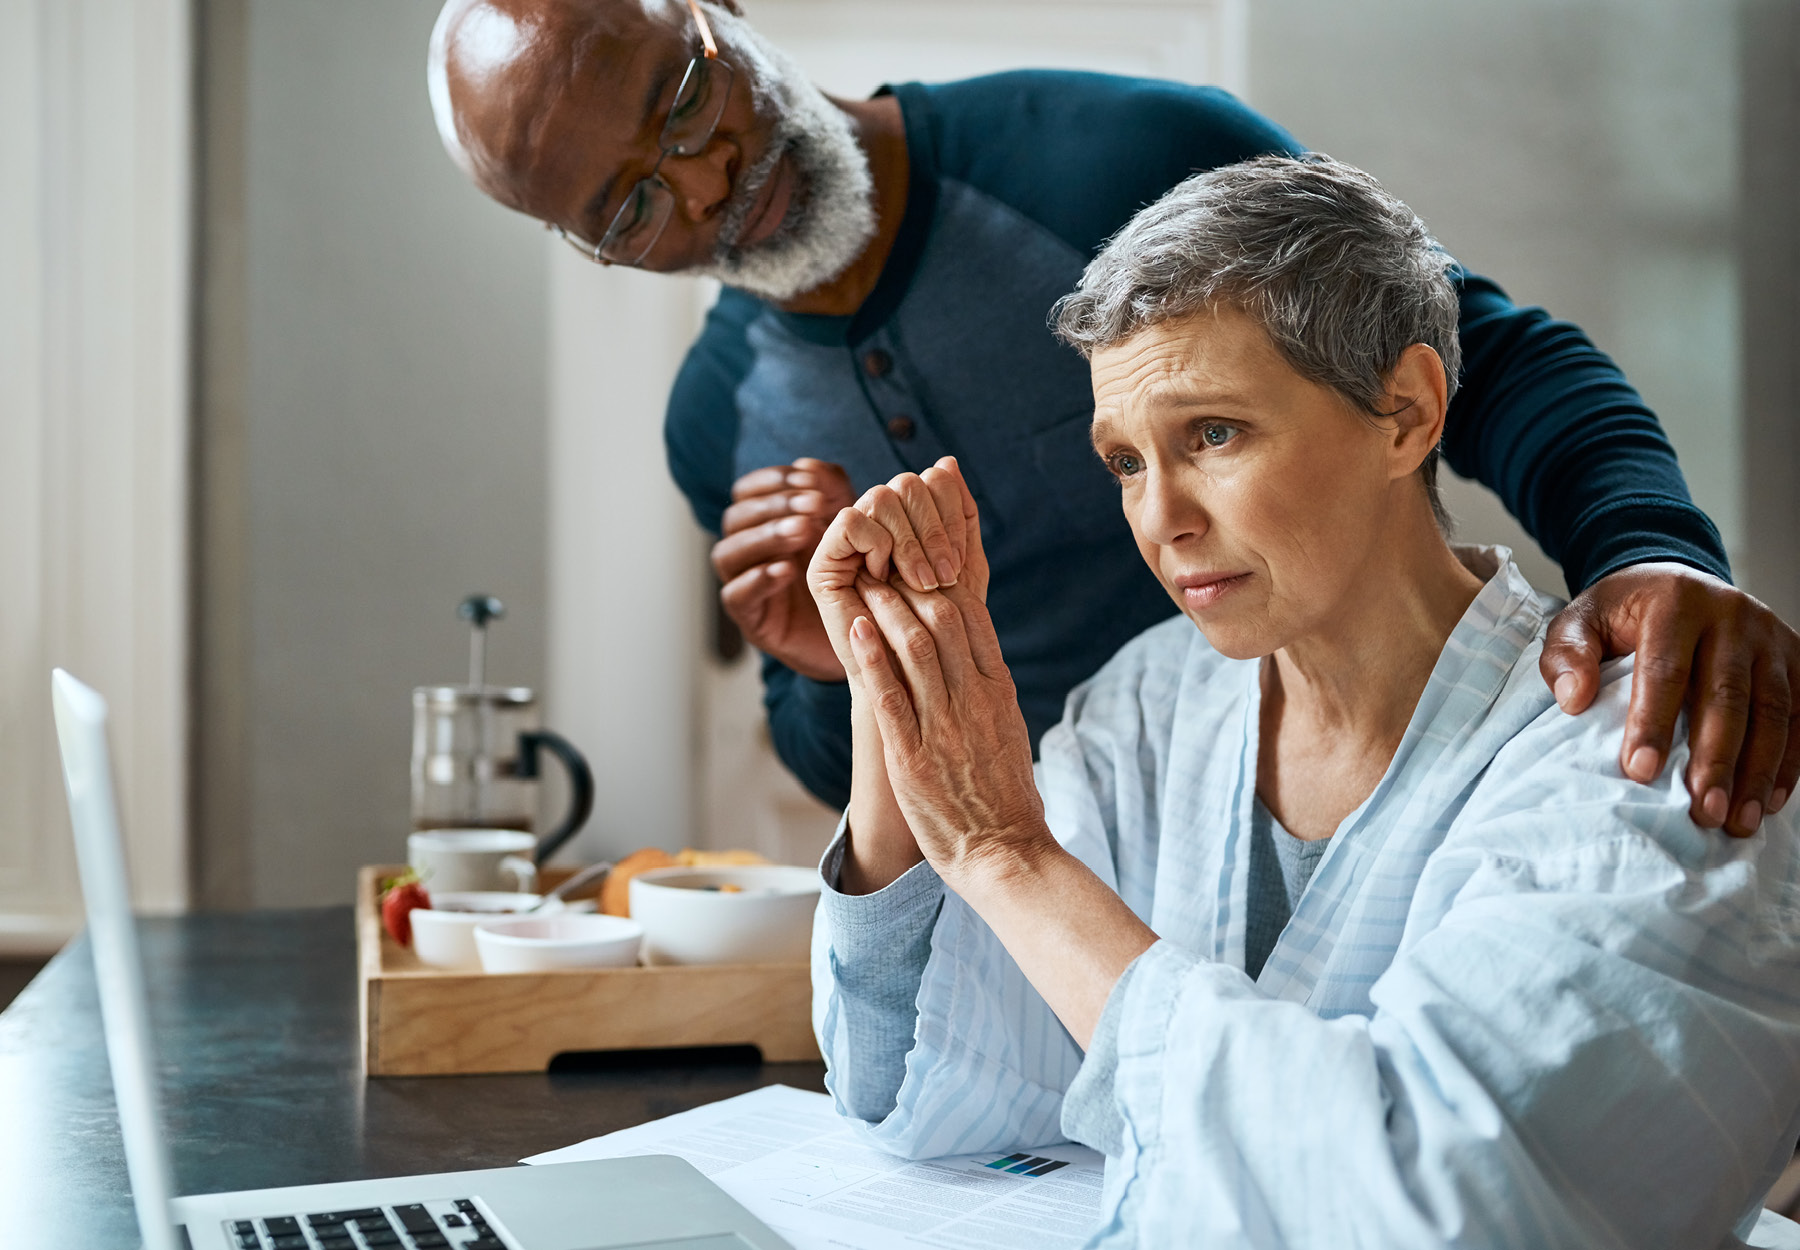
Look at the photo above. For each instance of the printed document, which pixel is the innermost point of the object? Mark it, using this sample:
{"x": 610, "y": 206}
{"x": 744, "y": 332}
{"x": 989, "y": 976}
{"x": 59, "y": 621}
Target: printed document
{"x": 787, "y": 1157}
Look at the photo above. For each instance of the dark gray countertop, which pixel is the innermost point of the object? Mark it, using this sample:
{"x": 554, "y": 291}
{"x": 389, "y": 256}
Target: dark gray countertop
{"x": 255, "y": 1019}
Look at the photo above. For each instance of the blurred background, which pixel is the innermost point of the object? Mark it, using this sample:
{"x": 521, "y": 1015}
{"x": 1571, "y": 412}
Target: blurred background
{"x": 278, "y": 387}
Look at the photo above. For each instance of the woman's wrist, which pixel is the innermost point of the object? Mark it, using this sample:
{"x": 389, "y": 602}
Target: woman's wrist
{"x": 879, "y": 845}
{"x": 1070, "y": 933}
{"x": 1001, "y": 862}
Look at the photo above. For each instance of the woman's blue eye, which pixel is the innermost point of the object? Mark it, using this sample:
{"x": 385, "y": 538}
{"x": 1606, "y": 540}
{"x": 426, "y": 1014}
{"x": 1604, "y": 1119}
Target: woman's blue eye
{"x": 1124, "y": 464}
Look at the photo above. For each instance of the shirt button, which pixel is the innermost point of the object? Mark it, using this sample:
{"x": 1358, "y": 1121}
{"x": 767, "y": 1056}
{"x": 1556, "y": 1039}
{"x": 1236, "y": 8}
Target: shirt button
{"x": 877, "y": 363}
{"x": 900, "y": 429}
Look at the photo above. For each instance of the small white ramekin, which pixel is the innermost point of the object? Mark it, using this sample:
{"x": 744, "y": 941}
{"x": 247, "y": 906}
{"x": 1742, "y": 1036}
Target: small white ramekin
{"x": 546, "y": 943}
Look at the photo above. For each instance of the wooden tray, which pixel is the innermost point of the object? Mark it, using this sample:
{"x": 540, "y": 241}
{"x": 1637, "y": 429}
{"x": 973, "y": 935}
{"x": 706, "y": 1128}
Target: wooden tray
{"x": 420, "y": 1021}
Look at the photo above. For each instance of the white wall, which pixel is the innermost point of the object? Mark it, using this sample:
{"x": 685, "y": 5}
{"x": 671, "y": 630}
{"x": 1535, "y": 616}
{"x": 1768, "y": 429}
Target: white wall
{"x": 627, "y": 561}
{"x": 1769, "y": 284}
{"x": 1582, "y": 155}
{"x": 393, "y": 431}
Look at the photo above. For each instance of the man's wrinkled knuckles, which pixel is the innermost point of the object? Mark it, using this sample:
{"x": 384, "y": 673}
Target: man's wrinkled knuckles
{"x": 1757, "y": 782}
{"x": 751, "y": 586}
{"x": 758, "y": 507}
{"x": 757, "y": 545}
{"x": 1694, "y": 589}
{"x": 759, "y": 481}
{"x": 1573, "y": 638}
{"x": 734, "y": 564}
{"x": 1727, "y": 689}
{"x": 1660, "y": 669}
{"x": 1771, "y": 706}
{"x": 1787, "y": 773}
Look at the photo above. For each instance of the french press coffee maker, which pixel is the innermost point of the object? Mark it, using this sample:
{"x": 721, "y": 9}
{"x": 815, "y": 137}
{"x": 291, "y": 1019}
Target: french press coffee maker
{"x": 477, "y": 749}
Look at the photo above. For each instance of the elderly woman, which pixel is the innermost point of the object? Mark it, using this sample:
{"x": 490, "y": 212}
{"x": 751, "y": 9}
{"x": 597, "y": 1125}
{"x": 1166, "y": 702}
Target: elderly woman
{"x": 1317, "y": 917}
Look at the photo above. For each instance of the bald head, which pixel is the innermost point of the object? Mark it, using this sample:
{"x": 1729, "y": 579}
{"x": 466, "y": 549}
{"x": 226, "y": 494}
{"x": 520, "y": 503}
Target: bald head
{"x": 500, "y": 71}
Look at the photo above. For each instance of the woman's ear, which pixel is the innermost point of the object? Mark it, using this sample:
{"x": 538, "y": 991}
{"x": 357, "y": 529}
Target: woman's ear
{"x": 1417, "y": 395}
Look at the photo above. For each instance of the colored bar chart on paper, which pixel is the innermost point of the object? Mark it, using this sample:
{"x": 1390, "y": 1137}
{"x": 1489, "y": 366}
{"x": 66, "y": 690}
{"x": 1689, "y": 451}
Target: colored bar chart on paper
{"x": 1026, "y": 1164}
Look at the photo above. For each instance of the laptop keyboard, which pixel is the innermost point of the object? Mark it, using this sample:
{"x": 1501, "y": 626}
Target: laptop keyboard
{"x": 446, "y": 1224}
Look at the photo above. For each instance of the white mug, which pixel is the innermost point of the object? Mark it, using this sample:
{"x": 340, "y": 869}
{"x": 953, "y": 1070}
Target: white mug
{"x": 474, "y": 859}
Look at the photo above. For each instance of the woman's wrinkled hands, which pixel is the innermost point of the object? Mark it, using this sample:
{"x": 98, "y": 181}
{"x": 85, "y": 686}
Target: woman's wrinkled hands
{"x": 901, "y": 583}
{"x": 957, "y": 751}
{"x": 921, "y": 530}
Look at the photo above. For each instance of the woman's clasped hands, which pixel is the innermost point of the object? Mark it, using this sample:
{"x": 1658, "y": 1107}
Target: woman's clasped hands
{"x": 901, "y": 583}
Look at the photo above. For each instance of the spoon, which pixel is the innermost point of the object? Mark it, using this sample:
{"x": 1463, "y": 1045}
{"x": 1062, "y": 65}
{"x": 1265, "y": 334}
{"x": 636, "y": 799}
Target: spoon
{"x": 585, "y": 877}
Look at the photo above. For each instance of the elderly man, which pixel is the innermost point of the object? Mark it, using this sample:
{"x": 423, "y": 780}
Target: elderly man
{"x": 1317, "y": 916}
{"x": 890, "y": 264}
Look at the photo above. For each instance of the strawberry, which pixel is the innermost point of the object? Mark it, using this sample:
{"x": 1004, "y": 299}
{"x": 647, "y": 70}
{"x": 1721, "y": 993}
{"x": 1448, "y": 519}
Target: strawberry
{"x": 398, "y": 897}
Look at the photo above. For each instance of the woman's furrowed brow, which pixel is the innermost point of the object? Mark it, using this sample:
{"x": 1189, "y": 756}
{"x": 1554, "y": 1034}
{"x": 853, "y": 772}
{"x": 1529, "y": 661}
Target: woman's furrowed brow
{"x": 1101, "y": 432}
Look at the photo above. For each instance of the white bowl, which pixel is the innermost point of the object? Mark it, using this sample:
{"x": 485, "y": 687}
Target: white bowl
{"x": 687, "y": 919}
{"x": 545, "y": 943}
{"x": 444, "y": 933}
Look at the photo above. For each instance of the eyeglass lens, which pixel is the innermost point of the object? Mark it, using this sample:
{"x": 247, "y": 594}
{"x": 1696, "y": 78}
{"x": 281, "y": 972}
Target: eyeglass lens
{"x": 699, "y": 103}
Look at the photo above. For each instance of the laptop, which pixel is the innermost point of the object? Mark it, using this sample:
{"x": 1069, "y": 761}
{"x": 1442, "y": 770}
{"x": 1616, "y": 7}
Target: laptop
{"x": 652, "y": 1202}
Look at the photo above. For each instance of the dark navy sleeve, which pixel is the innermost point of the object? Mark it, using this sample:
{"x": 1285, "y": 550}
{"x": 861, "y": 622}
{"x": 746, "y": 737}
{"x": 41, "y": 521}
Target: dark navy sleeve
{"x": 809, "y": 721}
{"x": 700, "y": 428}
{"x": 809, "y": 724}
{"x": 1548, "y": 422}
{"x": 1543, "y": 418}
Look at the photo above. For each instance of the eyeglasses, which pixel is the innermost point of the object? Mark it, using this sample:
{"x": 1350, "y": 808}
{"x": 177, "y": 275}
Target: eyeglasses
{"x": 699, "y": 103}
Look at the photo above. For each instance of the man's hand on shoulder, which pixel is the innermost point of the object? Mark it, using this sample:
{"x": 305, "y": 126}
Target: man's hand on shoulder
{"x": 1703, "y": 645}
{"x": 776, "y": 518}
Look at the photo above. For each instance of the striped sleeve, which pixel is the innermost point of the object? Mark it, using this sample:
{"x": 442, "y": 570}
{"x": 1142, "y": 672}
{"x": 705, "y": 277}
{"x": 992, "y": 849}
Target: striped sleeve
{"x": 877, "y": 948}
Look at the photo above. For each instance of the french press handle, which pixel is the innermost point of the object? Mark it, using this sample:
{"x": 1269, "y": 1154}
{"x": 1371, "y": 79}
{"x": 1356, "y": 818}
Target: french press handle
{"x": 581, "y": 786}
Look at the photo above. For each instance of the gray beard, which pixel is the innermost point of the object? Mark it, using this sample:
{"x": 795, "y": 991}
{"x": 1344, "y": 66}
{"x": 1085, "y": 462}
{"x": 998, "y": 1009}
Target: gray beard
{"x": 831, "y": 217}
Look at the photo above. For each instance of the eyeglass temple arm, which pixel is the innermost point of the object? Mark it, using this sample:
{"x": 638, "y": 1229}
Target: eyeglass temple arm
{"x": 706, "y": 35}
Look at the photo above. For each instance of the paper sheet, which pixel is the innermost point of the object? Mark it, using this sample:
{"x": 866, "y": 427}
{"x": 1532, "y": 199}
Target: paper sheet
{"x": 786, "y": 1156}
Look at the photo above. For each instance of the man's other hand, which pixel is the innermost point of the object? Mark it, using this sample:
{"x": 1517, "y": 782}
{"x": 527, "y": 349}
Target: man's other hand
{"x": 774, "y": 523}
{"x": 1703, "y": 645}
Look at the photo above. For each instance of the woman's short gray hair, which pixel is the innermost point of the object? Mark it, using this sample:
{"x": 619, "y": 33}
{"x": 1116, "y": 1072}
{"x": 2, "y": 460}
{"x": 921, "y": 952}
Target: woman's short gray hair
{"x": 1341, "y": 275}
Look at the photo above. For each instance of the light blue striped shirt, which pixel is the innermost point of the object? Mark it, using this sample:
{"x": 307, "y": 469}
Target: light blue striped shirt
{"x": 1524, "y": 1002}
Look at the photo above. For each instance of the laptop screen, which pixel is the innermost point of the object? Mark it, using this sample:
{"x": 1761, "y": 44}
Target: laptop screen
{"x": 87, "y": 773}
